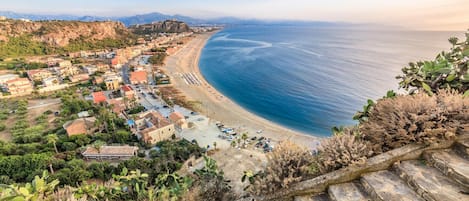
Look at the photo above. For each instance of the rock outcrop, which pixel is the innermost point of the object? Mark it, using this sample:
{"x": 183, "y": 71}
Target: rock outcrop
{"x": 168, "y": 26}
{"x": 60, "y": 33}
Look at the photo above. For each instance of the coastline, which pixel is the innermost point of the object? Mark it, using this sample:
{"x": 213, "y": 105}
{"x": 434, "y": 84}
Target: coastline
{"x": 218, "y": 107}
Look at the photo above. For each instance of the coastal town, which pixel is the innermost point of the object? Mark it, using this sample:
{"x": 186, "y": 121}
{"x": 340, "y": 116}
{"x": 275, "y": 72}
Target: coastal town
{"x": 143, "y": 87}
{"x": 121, "y": 108}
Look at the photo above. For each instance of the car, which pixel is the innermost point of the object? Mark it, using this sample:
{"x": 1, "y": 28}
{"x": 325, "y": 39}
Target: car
{"x": 194, "y": 113}
{"x": 165, "y": 106}
{"x": 254, "y": 138}
{"x": 259, "y": 131}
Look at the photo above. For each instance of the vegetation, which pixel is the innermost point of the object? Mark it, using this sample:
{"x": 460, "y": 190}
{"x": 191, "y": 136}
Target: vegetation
{"x": 448, "y": 70}
{"x": 419, "y": 118}
{"x": 339, "y": 151}
{"x": 157, "y": 58}
{"x": 24, "y": 45}
{"x": 288, "y": 163}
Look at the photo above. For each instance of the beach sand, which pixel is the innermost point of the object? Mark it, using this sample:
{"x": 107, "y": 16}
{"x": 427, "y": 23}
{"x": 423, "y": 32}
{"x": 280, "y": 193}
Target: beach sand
{"x": 184, "y": 63}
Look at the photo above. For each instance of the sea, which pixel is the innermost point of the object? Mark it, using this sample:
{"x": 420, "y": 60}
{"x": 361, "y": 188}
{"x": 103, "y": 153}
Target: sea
{"x": 311, "y": 78}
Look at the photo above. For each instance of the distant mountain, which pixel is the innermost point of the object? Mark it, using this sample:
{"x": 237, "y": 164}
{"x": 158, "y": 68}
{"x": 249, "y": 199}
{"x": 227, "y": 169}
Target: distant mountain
{"x": 155, "y": 17}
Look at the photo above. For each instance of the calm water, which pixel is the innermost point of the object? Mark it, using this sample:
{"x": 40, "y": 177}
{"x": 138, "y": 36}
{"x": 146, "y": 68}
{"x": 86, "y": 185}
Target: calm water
{"x": 311, "y": 79}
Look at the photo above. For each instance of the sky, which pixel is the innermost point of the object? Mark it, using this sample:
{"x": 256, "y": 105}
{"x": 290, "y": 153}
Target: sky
{"x": 415, "y": 14}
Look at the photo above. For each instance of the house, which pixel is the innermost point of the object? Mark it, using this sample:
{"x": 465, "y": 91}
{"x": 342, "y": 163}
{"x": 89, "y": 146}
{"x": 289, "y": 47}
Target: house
{"x": 68, "y": 71}
{"x": 99, "y": 97}
{"x": 152, "y": 127}
{"x": 79, "y": 78}
{"x": 128, "y": 92}
{"x": 110, "y": 152}
{"x": 19, "y": 86}
{"x": 90, "y": 69}
{"x": 117, "y": 104}
{"x": 98, "y": 80}
{"x": 38, "y": 74}
{"x": 80, "y": 126}
{"x": 178, "y": 120}
{"x": 112, "y": 83}
{"x": 51, "y": 81}
{"x": 138, "y": 77}
{"x": 65, "y": 64}
{"x": 7, "y": 77}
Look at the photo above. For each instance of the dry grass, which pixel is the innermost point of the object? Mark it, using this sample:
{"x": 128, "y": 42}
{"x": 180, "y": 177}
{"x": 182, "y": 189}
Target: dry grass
{"x": 419, "y": 118}
{"x": 173, "y": 96}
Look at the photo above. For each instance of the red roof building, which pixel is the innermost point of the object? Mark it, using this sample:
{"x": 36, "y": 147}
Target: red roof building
{"x": 99, "y": 97}
{"x": 138, "y": 77}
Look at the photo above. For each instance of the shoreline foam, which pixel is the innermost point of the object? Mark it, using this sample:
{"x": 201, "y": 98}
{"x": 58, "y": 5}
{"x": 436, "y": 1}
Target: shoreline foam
{"x": 218, "y": 107}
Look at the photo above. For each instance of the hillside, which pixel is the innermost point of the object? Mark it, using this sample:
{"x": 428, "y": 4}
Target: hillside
{"x": 45, "y": 37}
{"x": 167, "y": 26}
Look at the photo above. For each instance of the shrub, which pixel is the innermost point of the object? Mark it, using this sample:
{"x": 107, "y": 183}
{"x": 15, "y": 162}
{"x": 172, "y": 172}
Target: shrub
{"x": 288, "y": 163}
{"x": 341, "y": 150}
{"x": 418, "y": 118}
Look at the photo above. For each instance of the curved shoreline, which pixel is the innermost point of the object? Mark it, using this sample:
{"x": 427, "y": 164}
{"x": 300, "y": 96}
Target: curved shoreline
{"x": 218, "y": 107}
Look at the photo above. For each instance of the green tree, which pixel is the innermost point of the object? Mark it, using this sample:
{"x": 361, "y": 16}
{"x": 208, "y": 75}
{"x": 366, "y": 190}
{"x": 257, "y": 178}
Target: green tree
{"x": 52, "y": 139}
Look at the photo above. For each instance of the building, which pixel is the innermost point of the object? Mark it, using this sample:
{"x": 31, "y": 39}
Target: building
{"x": 67, "y": 71}
{"x": 110, "y": 152}
{"x": 80, "y": 78}
{"x": 178, "y": 120}
{"x": 65, "y": 64}
{"x": 90, "y": 69}
{"x": 99, "y": 97}
{"x": 80, "y": 126}
{"x": 7, "y": 77}
{"x": 39, "y": 74}
{"x": 19, "y": 86}
{"x": 112, "y": 83}
{"x": 152, "y": 127}
{"x": 51, "y": 81}
{"x": 138, "y": 77}
{"x": 117, "y": 104}
{"x": 128, "y": 92}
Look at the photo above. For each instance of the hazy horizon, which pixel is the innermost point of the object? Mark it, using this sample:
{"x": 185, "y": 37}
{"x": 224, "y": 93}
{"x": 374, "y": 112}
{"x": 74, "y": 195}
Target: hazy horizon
{"x": 417, "y": 14}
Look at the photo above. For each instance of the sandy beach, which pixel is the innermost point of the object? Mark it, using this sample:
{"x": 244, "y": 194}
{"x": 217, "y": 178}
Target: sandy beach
{"x": 183, "y": 69}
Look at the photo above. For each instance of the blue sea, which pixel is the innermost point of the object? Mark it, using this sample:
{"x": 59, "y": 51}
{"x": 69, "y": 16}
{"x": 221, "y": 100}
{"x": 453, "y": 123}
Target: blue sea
{"x": 312, "y": 78}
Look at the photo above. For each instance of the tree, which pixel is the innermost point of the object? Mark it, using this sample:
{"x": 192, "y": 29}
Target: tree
{"x": 233, "y": 143}
{"x": 215, "y": 145}
{"x": 52, "y": 139}
{"x": 98, "y": 144}
{"x": 244, "y": 136}
{"x": 453, "y": 41}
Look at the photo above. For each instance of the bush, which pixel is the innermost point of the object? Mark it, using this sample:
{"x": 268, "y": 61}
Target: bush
{"x": 339, "y": 151}
{"x": 419, "y": 118}
{"x": 2, "y": 127}
{"x": 288, "y": 163}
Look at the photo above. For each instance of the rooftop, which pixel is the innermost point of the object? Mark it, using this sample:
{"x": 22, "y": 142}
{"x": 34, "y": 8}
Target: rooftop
{"x": 99, "y": 97}
{"x": 111, "y": 150}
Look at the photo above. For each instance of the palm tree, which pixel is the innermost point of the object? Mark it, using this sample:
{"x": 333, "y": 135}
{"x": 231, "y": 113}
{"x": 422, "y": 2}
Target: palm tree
{"x": 52, "y": 139}
{"x": 98, "y": 144}
{"x": 215, "y": 145}
{"x": 244, "y": 137}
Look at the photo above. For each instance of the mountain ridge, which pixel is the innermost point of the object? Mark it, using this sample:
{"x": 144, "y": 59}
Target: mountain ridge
{"x": 148, "y": 18}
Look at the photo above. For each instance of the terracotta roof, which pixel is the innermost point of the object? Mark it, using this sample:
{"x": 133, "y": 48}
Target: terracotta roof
{"x": 99, "y": 97}
{"x": 156, "y": 119}
{"x": 138, "y": 76}
{"x": 126, "y": 88}
{"x": 111, "y": 150}
{"x": 176, "y": 116}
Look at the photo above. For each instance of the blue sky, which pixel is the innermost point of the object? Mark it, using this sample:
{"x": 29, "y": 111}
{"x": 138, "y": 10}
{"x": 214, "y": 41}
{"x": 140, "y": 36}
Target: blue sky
{"x": 420, "y": 14}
